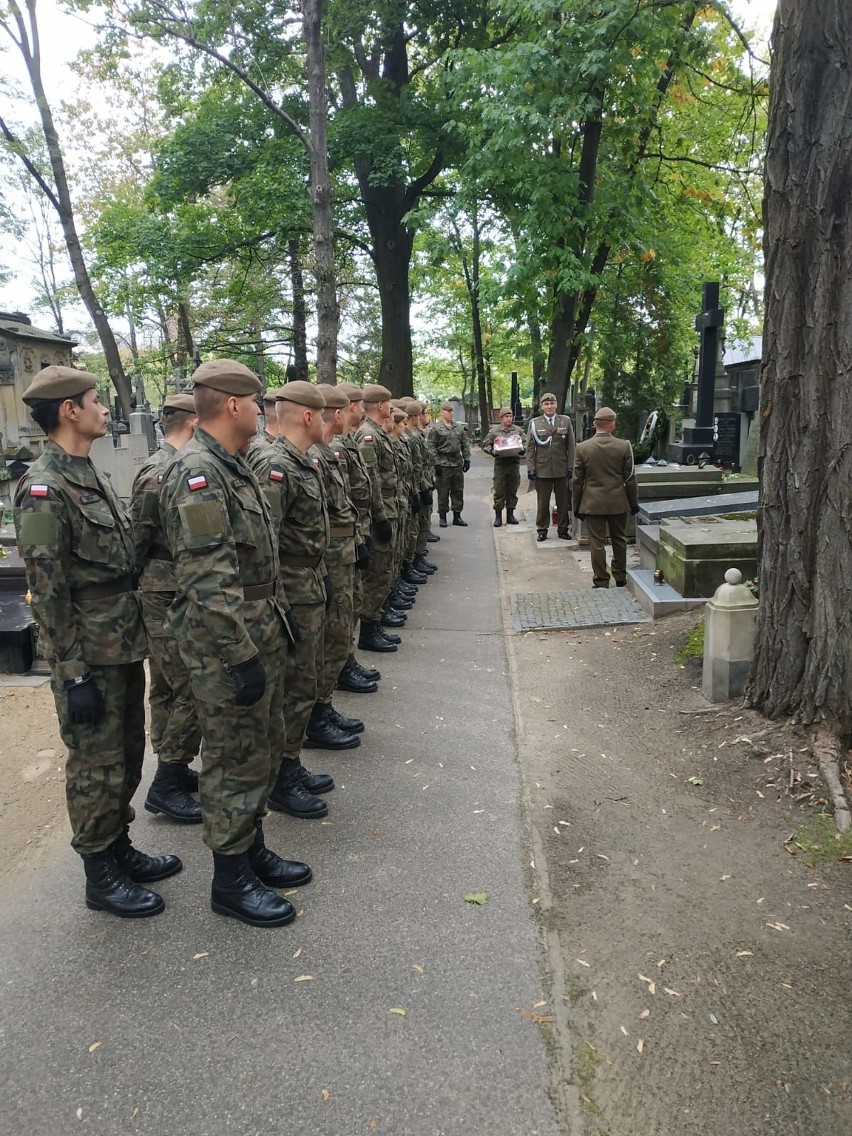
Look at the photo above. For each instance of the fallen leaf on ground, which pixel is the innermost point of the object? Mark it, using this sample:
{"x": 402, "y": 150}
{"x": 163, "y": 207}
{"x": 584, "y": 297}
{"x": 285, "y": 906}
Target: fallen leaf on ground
{"x": 201, "y": 955}
{"x": 298, "y": 952}
{"x": 79, "y": 1114}
{"x": 640, "y": 1044}
{"x": 326, "y": 1095}
{"x": 674, "y": 993}
{"x": 95, "y": 1045}
{"x": 624, "y": 1031}
{"x": 538, "y": 1005}
{"x": 744, "y": 954}
{"x": 476, "y": 898}
{"x": 304, "y": 978}
{"x": 583, "y": 962}
{"x": 538, "y": 1017}
{"x": 398, "y": 1011}
{"x": 644, "y": 1014}
{"x": 416, "y": 966}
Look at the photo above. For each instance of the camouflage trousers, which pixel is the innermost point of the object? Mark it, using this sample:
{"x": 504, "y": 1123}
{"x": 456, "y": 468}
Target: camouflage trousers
{"x": 337, "y": 627}
{"x": 377, "y": 578}
{"x": 301, "y": 672}
{"x": 451, "y": 489}
{"x": 507, "y": 478}
{"x": 411, "y": 530}
{"x": 243, "y": 748}
{"x": 104, "y": 764}
{"x": 424, "y": 527}
{"x": 175, "y": 733}
{"x": 357, "y": 603}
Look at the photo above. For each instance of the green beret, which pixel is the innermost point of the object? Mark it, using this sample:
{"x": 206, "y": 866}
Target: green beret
{"x": 271, "y": 394}
{"x": 505, "y": 410}
{"x": 399, "y": 415}
{"x": 374, "y": 393}
{"x": 353, "y": 392}
{"x": 334, "y": 398}
{"x": 302, "y": 393}
{"x": 228, "y": 376}
{"x": 447, "y": 405}
{"x": 413, "y": 406}
{"x": 180, "y": 402}
{"x": 58, "y": 382}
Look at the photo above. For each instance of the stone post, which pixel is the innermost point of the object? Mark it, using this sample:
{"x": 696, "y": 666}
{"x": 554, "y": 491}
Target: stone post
{"x": 730, "y": 623}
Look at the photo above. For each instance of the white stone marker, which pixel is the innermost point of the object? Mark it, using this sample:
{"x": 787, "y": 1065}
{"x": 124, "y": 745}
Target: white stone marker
{"x": 730, "y": 623}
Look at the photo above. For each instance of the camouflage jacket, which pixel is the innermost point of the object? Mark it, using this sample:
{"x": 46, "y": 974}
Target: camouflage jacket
{"x": 504, "y": 432}
{"x": 428, "y": 458}
{"x": 402, "y": 450}
{"x": 420, "y": 457}
{"x": 292, "y": 484}
{"x": 153, "y": 559}
{"x": 357, "y": 479}
{"x": 378, "y": 457}
{"x": 218, "y": 528}
{"x": 76, "y": 542}
{"x": 342, "y": 514}
{"x": 450, "y": 444}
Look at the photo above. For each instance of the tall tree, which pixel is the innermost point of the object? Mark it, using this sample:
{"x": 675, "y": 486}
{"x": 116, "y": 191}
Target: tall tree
{"x": 803, "y": 664}
{"x": 23, "y": 31}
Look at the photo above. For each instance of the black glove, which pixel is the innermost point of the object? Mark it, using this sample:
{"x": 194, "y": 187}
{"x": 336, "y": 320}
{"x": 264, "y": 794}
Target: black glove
{"x": 439, "y": 469}
{"x": 85, "y": 702}
{"x": 362, "y": 556}
{"x": 579, "y": 516}
{"x": 368, "y": 540}
{"x": 295, "y": 629}
{"x": 329, "y": 591}
{"x": 414, "y": 502}
{"x": 634, "y": 509}
{"x": 530, "y": 475}
{"x": 425, "y": 496}
{"x": 465, "y": 466}
{"x": 383, "y": 531}
{"x": 249, "y": 681}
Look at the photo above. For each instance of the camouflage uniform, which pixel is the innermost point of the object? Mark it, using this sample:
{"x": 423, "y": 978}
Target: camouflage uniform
{"x": 358, "y": 484}
{"x": 175, "y": 733}
{"x": 339, "y": 564}
{"x": 76, "y": 542}
{"x": 292, "y": 484}
{"x": 378, "y": 455}
{"x": 507, "y": 470}
{"x": 451, "y": 450}
{"x": 429, "y": 484}
{"x": 229, "y": 608}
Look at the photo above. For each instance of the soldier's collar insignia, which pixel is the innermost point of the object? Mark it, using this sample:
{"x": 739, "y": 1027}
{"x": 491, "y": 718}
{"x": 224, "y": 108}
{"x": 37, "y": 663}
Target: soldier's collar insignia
{"x": 239, "y": 482}
{"x": 39, "y": 490}
{"x": 199, "y": 481}
{"x": 276, "y": 474}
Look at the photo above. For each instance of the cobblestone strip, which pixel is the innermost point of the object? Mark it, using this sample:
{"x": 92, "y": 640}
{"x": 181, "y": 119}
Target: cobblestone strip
{"x": 589, "y": 607}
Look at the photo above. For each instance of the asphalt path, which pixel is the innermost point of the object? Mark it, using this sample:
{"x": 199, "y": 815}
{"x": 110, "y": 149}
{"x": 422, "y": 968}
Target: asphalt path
{"x": 391, "y": 1005}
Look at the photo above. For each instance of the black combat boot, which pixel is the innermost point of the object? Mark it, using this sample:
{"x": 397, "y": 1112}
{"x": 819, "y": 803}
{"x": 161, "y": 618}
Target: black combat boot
{"x": 424, "y": 566}
{"x": 442, "y": 520}
{"x": 498, "y": 519}
{"x": 370, "y": 638}
{"x": 139, "y": 866}
{"x": 109, "y": 888}
{"x": 168, "y": 794}
{"x": 372, "y": 673}
{"x": 389, "y": 636}
{"x": 291, "y": 796}
{"x": 350, "y": 725}
{"x": 433, "y": 538}
{"x": 511, "y": 519}
{"x": 457, "y": 520}
{"x": 273, "y": 870}
{"x": 398, "y": 601}
{"x": 238, "y": 892}
{"x": 316, "y": 783}
{"x": 392, "y": 618}
{"x": 322, "y": 733}
{"x": 189, "y": 777}
{"x": 406, "y": 589}
{"x": 411, "y": 576}
{"x": 354, "y": 681}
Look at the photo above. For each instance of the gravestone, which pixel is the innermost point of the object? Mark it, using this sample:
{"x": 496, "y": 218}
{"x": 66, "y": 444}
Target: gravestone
{"x": 694, "y": 554}
{"x": 122, "y": 461}
{"x": 697, "y": 439}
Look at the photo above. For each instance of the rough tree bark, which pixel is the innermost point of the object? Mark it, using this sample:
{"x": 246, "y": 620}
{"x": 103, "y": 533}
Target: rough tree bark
{"x": 300, "y": 319}
{"x": 28, "y": 43}
{"x": 803, "y": 663}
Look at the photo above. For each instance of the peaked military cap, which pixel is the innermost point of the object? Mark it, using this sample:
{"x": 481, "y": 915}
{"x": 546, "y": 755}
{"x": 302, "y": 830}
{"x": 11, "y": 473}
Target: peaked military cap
{"x": 58, "y": 382}
{"x": 353, "y": 392}
{"x": 334, "y": 397}
{"x": 302, "y": 393}
{"x": 374, "y": 393}
{"x": 228, "y": 376}
{"x": 179, "y": 402}
{"x": 605, "y": 414}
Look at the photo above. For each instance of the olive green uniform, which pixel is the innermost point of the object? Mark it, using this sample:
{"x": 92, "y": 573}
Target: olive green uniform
{"x": 507, "y": 470}
{"x": 358, "y": 483}
{"x": 451, "y": 449}
{"x": 378, "y": 456}
{"x": 229, "y": 608}
{"x": 77, "y": 545}
{"x": 175, "y": 732}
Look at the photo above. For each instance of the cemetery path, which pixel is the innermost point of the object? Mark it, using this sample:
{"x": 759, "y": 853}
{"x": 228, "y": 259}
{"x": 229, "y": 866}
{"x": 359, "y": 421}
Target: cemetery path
{"x": 650, "y": 961}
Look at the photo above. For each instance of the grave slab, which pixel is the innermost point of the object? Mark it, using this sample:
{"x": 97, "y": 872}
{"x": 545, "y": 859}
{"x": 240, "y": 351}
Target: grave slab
{"x": 658, "y": 599}
{"x": 653, "y": 512}
{"x": 695, "y": 553}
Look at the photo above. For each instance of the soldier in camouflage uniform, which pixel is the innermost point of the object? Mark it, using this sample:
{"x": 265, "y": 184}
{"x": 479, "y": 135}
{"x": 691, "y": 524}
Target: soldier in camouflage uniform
{"x": 175, "y": 733}
{"x": 426, "y": 430}
{"x": 422, "y": 486}
{"x": 292, "y": 483}
{"x": 355, "y": 676}
{"x": 327, "y": 728}
{"x": 507, "y": 466}
{"x": 378, "y": 456}
{"x": 77, "y": 545}
{"x": 452, "y": 461}
{"x": 395, "y": 429}
{"x": 230, "y": 621}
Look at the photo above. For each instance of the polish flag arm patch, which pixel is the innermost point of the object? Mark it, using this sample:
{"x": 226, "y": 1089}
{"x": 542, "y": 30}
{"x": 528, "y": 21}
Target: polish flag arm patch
{"x": 39, "y": 490}
{"x": 199, "y": 481}
{"x": 276, "y": 474}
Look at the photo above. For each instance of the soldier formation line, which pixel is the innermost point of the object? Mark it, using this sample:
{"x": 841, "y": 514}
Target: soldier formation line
{"x": 244, "y": 569}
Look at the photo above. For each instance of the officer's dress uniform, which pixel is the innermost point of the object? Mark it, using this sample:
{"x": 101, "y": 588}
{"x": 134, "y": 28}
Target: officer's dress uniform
{"x": 550, "y": 456}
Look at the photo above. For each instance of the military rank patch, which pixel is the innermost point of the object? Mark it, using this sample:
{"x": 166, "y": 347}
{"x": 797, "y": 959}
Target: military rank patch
{"x": 199, "y": 481}
{"x": 39, "y": 490}
{"x": 276, "y": 474}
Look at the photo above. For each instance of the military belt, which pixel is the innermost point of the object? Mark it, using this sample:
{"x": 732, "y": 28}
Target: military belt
{"x": 258, "y": 591}
{"x": 100, "y": 591}
{"x": 342, "y": 530}
{"x": 159, "y": 554}
{"x": 301, "y": 561}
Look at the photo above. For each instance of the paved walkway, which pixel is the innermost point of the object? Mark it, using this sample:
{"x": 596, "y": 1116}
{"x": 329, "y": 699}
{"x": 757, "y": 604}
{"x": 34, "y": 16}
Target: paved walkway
{"x": 390, "y": 1006}
{"x": 585, "y": 607}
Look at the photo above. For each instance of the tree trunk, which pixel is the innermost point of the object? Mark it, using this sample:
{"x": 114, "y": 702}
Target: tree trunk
{"x": 300, "y": 319}
{"x": 61, "y": 200}
{"x": 803, "y": 663}
{"x": 328, "y": 314}
{"x": 392, "y": 245}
